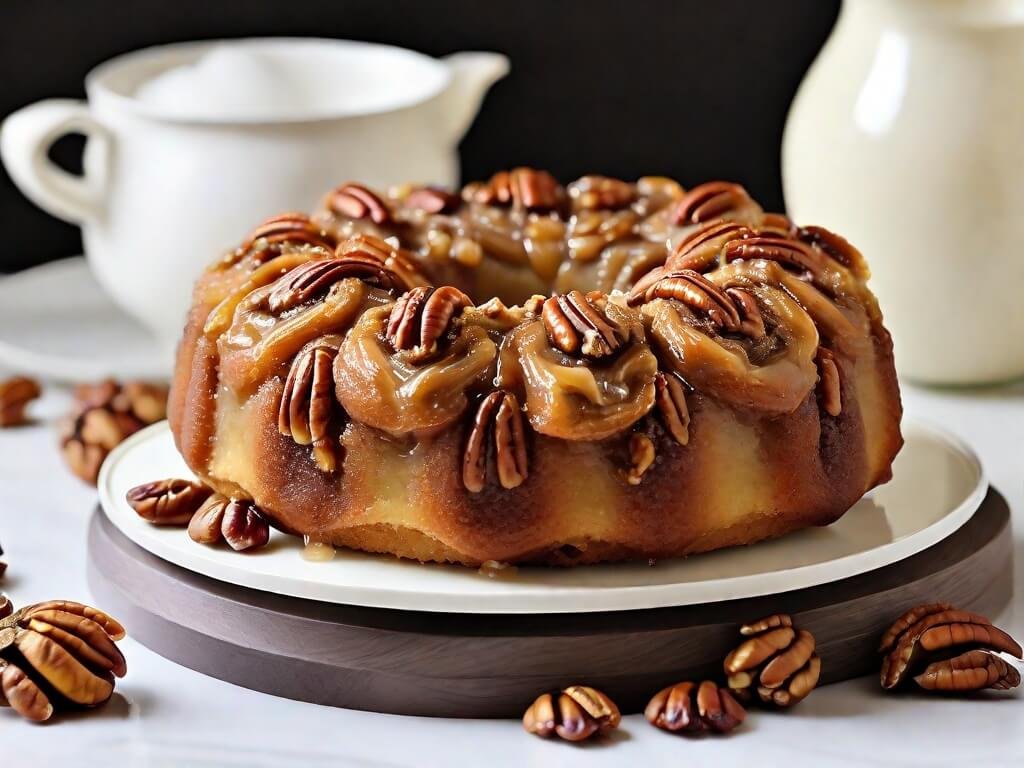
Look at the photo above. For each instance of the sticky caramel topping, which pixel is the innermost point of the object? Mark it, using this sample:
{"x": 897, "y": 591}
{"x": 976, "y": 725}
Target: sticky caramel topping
{"x": 523, "y": 305}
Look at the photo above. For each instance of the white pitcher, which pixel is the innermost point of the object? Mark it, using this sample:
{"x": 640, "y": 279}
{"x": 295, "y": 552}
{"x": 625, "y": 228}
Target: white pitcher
{"x": 907, "y": 137}
{"x": 163, "y": 194}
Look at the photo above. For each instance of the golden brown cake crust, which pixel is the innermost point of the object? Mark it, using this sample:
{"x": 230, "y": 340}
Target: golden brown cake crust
{"x": 706, "y": 395}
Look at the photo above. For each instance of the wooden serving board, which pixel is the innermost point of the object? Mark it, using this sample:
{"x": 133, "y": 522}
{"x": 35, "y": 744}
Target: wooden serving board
{"x": 465, "y": 665}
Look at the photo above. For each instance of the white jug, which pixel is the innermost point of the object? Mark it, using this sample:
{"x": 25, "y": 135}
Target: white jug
{"x": 907, "y": 137}
{"x": 164, "y": 193}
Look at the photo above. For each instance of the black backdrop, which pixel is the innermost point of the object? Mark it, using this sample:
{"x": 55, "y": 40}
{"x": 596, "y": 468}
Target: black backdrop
{"x": 686, "y": 88}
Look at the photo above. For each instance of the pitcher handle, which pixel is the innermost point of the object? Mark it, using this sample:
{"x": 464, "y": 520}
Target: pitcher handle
{"x": 25, "y": 139}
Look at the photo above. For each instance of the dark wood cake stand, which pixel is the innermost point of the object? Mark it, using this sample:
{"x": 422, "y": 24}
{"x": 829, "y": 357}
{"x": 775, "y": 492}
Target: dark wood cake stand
{"x": 470, "y": 665}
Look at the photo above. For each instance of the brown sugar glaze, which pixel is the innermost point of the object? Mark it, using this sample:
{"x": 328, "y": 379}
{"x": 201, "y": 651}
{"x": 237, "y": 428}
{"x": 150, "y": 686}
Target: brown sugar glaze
{"x": 536, "y": 373}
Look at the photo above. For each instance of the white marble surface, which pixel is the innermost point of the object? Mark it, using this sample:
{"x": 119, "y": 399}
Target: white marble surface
{"x": 166, "y": 715}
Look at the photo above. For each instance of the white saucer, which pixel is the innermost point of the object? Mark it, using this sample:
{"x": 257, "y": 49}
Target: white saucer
{"x": 56, "y": 323}
{"x": 938, "y": 483}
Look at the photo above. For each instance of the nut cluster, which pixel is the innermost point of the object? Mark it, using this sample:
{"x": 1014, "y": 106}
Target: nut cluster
{"x": 57, "y": 654}
{"x": 922, "y": 646}
{"x": 691, "y": 708}
{"x": 576, "y": 324}
{"x": 15, "y": 395}
{"x": 308, "y": 408}
{"x": 575, "y": 713}
{"x": 777, "y": 662}
{"x": 497, "y": 432}
{"x": 103, "y": 416}
{"x": 422, "y": 317}
{"x": 211, "y": 517}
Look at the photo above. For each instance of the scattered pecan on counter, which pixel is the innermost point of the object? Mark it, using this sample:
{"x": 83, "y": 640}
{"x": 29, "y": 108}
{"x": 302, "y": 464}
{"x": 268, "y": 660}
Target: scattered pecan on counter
{"x": 575, "y": 713}
{"x": 922, "y": 645}
{"x": 168, "y": 502}
{"x": 104, "y": 415}
{"x": 57, "y": 655}
{"x": 15, "y": 395}
{"x": 777, "y": 662}
{"x": 691, "y": 708}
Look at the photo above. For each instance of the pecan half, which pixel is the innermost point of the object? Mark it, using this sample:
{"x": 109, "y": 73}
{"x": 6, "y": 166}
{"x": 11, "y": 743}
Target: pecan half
{"x": 930, "y": 632}
{"x": 354, "y": 201}
{"x": 575, "y": 713}
{"x": 751, "y": 322}
{"x": 307, "y": 412}
{"x": 696, "y": 291}
{"x": 829, "y": 391}
{"x": 58, "y": 652}
{"x": 422, "y": 316}
{"x": 497, "y": 429}
{"x": 15, "y": 395}
{"x": 709, "y": 201}
{"x": 971, "y": 671}
{"x": 839, "y": 248}
{"x": 239, "y": 522}
{"x": 792, "y": 253}
{"x": 399, "y": 264}
{"x": 293, "y": 228}
{"x": 6, "y": 606}
{"x": 691, "y": 708}
{"x": 641, "y": 457}
{"x": 906, "y": 621}
{"x": 700, "y": 250}
{"x": 777, "y": 661}
{"x": 670, "y": 398}
{"x": 313, "y": 278}
{"x": 433, "y": 200}
{"x": 168, "y": 502}
{"x": 594, "y": 193}
{"x": 524, "y": 188}
{"x": 575, "y": 324}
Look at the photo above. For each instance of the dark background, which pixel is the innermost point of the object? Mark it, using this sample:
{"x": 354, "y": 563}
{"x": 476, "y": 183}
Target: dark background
{"x": 685, "y": 88}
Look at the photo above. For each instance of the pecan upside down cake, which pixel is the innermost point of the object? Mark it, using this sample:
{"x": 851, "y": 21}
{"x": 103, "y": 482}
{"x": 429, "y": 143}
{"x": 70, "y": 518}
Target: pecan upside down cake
{"x": 536, "y": 373}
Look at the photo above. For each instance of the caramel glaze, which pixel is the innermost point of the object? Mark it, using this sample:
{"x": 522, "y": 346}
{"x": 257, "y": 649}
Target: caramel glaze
{"x": 763, "y": 456}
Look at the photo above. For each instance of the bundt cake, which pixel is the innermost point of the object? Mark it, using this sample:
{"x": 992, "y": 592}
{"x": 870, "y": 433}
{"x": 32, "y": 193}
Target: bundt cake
{"x": 528, "y": 372}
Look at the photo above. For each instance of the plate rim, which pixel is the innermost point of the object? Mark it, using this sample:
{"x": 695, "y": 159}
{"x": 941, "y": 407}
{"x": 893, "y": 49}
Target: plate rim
{"x": 58, "y": 367}
{"x": 553, "y": 598}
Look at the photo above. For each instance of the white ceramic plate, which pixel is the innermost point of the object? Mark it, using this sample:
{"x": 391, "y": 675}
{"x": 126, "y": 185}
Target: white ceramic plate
{"x": 938, "y": 483}
{"x": 56, "y": 323}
